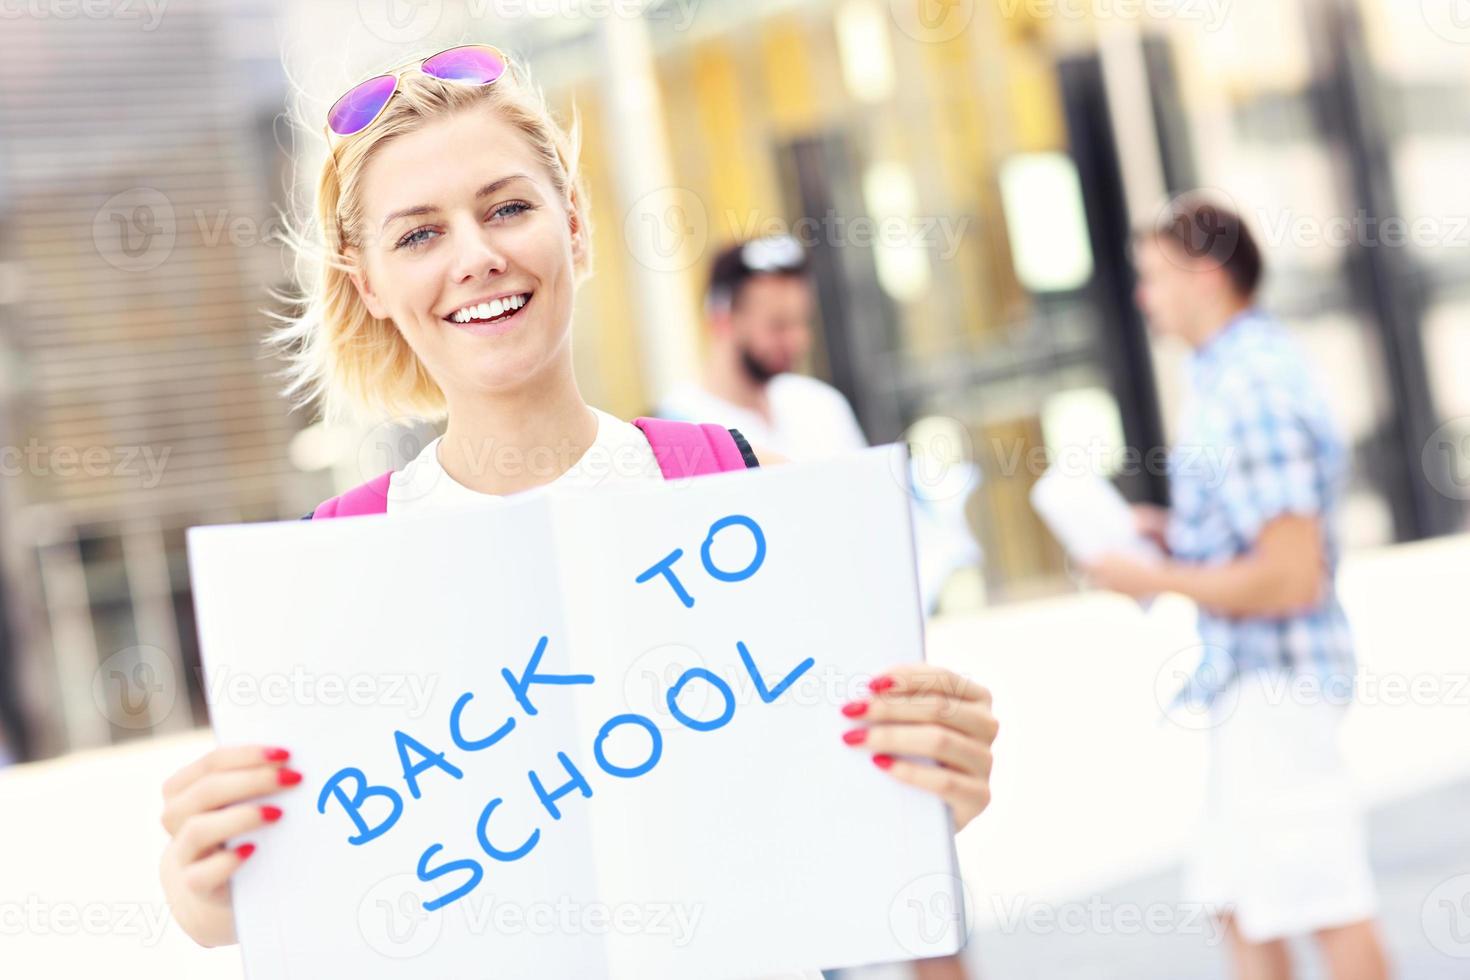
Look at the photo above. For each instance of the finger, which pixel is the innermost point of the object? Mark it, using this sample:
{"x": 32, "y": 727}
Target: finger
{"x": 960, "y": 790}
{"x": 220, "y": 789}
{"x": 928, "y": 679}
{"x": 221, "y": 759}
{"x": 970, "y": 716}
{"x": 205, "y": 832}
{"x": 204, "y": 876}
{"x": 934, "y": 742}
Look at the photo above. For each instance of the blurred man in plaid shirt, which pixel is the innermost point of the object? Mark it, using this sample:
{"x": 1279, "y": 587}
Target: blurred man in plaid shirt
{"x": 1254, "y": 479}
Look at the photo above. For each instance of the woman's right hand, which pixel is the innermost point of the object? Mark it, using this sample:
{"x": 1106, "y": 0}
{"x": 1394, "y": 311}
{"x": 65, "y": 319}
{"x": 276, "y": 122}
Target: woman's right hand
{"x": 204, "y": 805}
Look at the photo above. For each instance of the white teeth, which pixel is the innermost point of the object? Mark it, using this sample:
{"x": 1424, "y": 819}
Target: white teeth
{"x": 486, "y": 311}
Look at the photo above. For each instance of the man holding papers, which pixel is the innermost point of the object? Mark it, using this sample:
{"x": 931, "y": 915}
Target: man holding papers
{"x": 1250, "y": 539}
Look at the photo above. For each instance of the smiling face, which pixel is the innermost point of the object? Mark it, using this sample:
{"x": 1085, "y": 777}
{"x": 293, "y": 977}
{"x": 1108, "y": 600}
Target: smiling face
{"x": 471, "y": 252}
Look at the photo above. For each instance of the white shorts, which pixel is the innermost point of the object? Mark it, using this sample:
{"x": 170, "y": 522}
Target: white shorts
{"x": 1283, "y": 845}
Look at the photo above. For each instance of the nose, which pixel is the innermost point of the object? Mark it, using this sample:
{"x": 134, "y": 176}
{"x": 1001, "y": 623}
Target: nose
{"x": 476, "y": 254}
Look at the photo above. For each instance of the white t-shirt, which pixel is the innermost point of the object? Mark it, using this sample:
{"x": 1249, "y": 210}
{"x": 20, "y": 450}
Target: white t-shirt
{"x": 620, "y": 454}
{"x": 810, "y": 419}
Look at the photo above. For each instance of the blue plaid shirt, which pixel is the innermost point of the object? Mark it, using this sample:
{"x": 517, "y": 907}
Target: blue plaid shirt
{"x": 1257, "y": 441}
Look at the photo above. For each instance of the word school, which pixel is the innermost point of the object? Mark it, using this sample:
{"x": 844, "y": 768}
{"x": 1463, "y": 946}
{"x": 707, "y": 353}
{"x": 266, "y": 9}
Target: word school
{"x": 350, "y": 789}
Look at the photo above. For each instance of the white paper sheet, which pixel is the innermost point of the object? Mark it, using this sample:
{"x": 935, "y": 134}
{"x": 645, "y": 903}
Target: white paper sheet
{"x": 759, "y": 846}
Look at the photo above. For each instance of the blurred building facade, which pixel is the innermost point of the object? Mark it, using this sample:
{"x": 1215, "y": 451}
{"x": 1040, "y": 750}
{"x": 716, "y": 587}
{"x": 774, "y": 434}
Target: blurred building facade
{"x": 965, "y": 174}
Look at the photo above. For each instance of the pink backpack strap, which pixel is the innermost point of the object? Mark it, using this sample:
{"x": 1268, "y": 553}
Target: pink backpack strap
{"x": 369, "y": 498}
{"x": 683, "y": 449}
{"x": 693, "y": 449}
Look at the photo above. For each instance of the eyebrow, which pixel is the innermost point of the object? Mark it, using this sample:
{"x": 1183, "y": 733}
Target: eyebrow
{"x": 485, "y": 191}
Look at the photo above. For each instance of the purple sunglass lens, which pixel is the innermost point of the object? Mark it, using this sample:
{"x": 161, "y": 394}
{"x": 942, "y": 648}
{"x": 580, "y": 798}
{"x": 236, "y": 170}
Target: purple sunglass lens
{"x": 361, "y": 105}
{"x": 477, "y": 65}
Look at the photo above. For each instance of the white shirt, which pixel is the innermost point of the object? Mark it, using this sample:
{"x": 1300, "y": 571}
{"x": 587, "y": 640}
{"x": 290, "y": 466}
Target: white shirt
{"x": 620, "y": 454}
{"x": 809, "y": 418}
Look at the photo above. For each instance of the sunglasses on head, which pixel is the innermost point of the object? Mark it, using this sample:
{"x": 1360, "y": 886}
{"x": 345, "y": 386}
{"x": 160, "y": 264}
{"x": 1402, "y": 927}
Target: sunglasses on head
{"x": 361, "y": 105}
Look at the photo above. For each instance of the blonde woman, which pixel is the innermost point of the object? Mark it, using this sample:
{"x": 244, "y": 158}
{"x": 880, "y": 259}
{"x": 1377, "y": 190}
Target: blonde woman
{"x": 456, "y": 231}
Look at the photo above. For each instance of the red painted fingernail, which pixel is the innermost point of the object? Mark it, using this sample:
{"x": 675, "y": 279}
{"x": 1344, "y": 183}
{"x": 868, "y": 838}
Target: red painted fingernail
{"x": 270, "y": 814}
{"x": 855, "y": 737}
{"x": 880, "y": 684}
{"x": 855, "y": 709}
{"x": 882, "y": 761}
{"x": 277, "y": 755}
{"x": 288, "y": 777}
{"x": 244, "y": 851}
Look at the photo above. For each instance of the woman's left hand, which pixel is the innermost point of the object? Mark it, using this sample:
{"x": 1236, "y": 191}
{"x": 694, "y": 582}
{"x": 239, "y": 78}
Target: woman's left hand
{"x": 929, "y": 713}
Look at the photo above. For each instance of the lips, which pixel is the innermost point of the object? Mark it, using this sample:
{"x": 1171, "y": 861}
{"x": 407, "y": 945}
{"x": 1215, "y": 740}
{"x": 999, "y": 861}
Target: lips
{"x": 495, "y": 316}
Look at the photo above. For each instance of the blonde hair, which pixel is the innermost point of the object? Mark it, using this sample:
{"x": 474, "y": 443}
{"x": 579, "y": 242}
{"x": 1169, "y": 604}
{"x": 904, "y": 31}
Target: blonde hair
{"x": 341, "y": 357}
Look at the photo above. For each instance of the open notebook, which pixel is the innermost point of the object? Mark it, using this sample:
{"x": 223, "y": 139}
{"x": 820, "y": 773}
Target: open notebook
{"x": 423, "y": 667}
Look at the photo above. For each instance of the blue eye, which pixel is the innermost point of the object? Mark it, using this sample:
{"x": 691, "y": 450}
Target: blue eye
{"x": 511, "y": 209}
{"x": 415, "y": 239}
